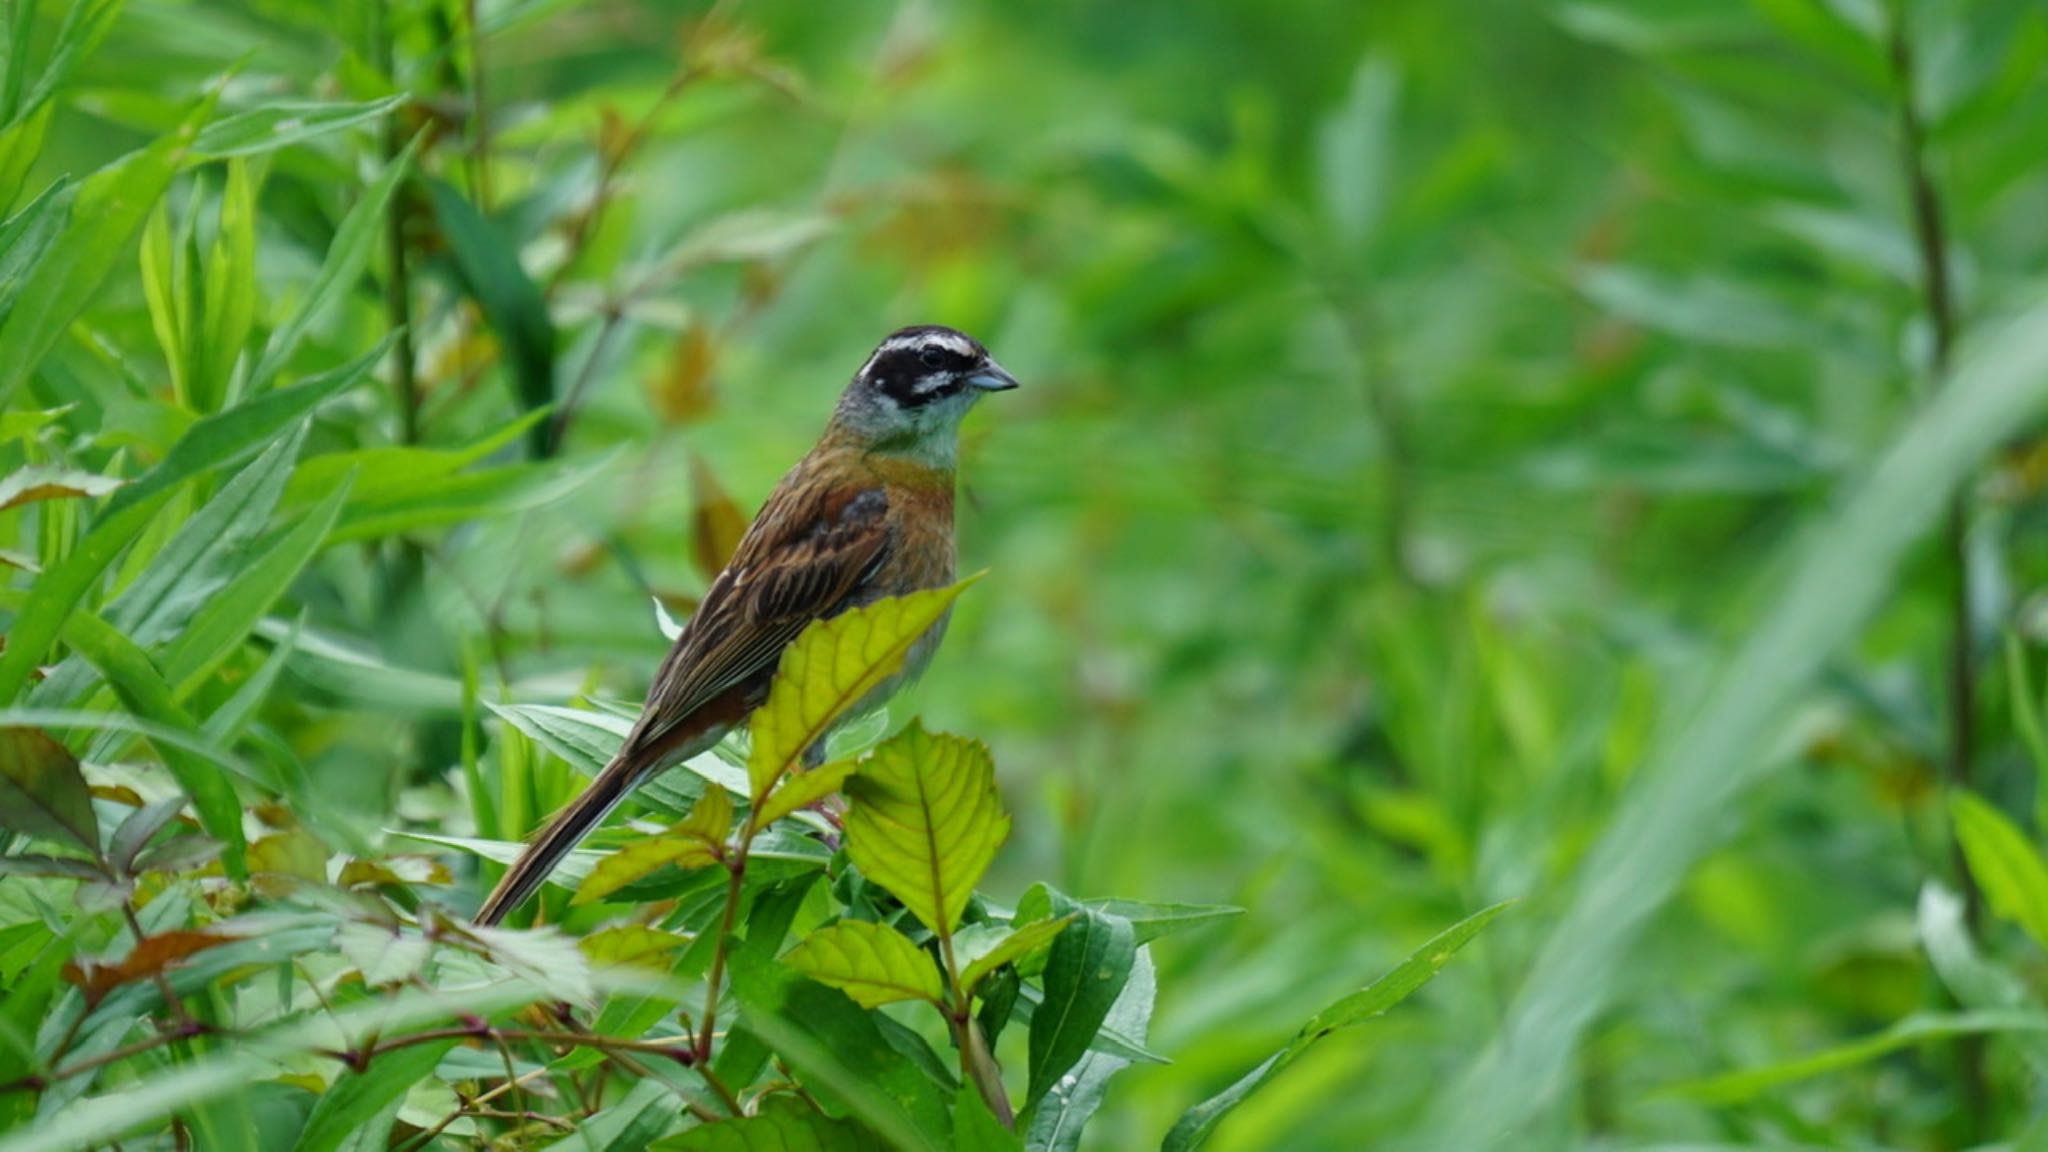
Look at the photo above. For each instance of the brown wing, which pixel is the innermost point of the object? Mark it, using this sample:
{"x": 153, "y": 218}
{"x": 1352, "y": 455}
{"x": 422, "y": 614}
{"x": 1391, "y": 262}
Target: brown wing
{"x": 810, "y": 548}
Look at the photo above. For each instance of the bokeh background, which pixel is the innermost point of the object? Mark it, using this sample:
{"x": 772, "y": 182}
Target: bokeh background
{"x": 1424, "y": 404}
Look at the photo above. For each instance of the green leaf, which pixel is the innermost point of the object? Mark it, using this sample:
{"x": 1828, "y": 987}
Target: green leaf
{"x": 1056, "y": 1123}
{"x": 365, "y": 1103}
{"x": 976, "y": 1129}
{"x": 2005, "y": 865}
{"x": 1919, "y": 1028}
{"x": 829, "y": 668}
{"x": 803, "y": 789}
{"x": 1680, "y": 800}
{"x": 698, "y": 841}
{"x": 1014, "y": 944}
{"x": 1353, "y": 151}
{"x": 42, "y": 793}
{"x": 190, "y": 570}
{"x": 350, "y": 250}
{"x": 781, "y": 1126}
{"x": 214, "y": 442}
{"x": 107, "y": 212}
{"x": 873, "y": 963}
{"x": 465, "y": 497}
{"x": 285, "y": 124}
{"x": 572, "y": 870}
{"x": 1199, "y": 1123}
{"x": 839, "y": 1052}
{"x": 1978, "y": 985}
{"x": 925, "y": 822}
{"x": 27, "y": 236}
{"x": 1085, "y": 972}
{"x": 586, "y": 739}
{"x": 143, "y": 691}
{"x": 487, "y": 264}
{"x": 1150, "y": 921}
{"x": 220, "y": 627}
{"x": 230, "y": 294}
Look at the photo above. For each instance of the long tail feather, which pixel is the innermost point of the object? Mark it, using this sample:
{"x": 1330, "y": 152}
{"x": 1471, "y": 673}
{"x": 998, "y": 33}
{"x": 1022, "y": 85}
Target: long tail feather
{"x": 561, "y": 834}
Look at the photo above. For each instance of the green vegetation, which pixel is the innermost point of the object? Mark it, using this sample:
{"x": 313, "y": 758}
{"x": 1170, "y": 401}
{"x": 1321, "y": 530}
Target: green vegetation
{"x": 1553, "y": 486}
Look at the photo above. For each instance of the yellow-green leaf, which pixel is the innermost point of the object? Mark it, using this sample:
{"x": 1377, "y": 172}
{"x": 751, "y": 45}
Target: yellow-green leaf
{"x": 2007, "y": 867}
{"x": 829, "y": 668}
{"x": 1017, "y": 943}
{"x": 926, "y": 821}
{"x": 633, "y": 945}
{"x": 696, "y": 841}
{"x": 803, "y": 789}
{"x": 873, "y": 963}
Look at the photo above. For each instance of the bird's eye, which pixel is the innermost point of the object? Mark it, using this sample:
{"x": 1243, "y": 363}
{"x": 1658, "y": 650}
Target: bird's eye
{"x": 931, "y": 358}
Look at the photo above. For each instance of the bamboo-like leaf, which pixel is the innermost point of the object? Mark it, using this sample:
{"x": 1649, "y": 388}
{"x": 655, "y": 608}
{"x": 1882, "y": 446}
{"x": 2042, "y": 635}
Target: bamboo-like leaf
{"x": 926, "y": 821}
{"x": 829, "y": 668}
{"x": 486, "y": 262}
{"x": 1919, "y": 1028}
{"x": 873, "y": 963}
{"x": 217, "y": 441}
{"x": 697, "y": 841}
{"x": 42, "y": 793}
{"x": 1421, "y": 966}
{"x": 284, "y": 124}
{"x": 45, "y": 482}
{"x": 230, "y": 295}
{"x": 2010, "y": 870}
{"x": 1018, "y": 942}
{"x": 803, "y": 789}
{"x": 110, "y": 207}
{"x": 27, "y": 236}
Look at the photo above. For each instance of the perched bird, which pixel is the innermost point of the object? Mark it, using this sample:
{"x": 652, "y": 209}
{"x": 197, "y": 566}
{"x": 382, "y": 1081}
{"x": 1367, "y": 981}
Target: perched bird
{"x": 866, "y": 515}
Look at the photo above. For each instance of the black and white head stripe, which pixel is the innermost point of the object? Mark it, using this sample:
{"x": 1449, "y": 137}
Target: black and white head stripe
{"x": 916, "y": 366}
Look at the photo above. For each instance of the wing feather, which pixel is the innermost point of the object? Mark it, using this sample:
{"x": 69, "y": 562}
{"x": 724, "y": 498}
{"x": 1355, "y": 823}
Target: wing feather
{"x": 808, "y": 552}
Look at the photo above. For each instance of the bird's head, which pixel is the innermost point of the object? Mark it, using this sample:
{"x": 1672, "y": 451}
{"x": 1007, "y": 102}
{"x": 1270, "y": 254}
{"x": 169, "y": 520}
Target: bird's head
{"x": 910, "y": 395}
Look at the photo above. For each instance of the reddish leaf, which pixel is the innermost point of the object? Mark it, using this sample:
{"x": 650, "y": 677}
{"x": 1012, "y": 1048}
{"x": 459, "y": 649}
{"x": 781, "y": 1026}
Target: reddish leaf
{"x": 42, "y": 793}
{"x": 682, "y": 393}
{"x": 147, "y": 960}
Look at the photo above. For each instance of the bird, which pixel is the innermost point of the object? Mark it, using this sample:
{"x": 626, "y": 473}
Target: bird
{"x": 867, "y": 514}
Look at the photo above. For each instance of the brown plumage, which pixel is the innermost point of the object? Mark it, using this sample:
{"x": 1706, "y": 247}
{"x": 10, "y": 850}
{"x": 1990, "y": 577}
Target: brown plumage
{"x": 866, "y": 514}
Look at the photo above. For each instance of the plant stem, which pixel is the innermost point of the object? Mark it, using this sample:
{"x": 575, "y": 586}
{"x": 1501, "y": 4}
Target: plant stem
{"x": 398, "y": 280}
{"x": 734, "y": 890}
{"x": 1931, "y": 240}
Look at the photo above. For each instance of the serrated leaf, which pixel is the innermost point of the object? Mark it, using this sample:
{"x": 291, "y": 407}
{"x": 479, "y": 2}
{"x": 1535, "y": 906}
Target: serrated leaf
{"x": 925, "y": 822}
{"x": 632, "y": 944}
{"x": 778, "y": 1128}
{"x": 2009, "y": 869}
{"x": 383, "y": 954}
{"x": 697, "y": 841}
{"x": 829, "y": 668}
{"x": 42, "y": 793}
{"x": 1018, "y": 942}
{"x": 803, "y": 789}
{"x": 1199, "y": 1123}
{"x": 873, "y": 963}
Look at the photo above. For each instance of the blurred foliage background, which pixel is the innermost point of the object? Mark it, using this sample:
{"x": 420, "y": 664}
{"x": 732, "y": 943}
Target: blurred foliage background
{"x": 1431, "y": 412}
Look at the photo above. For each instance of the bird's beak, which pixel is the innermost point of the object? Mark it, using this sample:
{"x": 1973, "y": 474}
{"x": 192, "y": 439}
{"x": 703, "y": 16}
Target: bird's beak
{"x": 991, "y": 377}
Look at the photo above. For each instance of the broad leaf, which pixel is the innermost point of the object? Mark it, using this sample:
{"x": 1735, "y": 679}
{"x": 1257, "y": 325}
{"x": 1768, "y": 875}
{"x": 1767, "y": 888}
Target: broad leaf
{"x": 1085, "y": 972}
{"x": 1057, "y": 1121}
{"x": 803, "y": 789}
{"x": 829, "y": 668}
{"x": 697, "y": 841}
{"x": 1199, "y": 1123}
{"x": 42, "y": 793}
{"x": 873, "y": 963}
{"x": 1010, "y": 947}
{"x": 925, "y": 822}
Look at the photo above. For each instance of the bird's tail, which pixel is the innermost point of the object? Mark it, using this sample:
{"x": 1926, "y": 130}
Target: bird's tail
{"x": 562, "y": 833}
